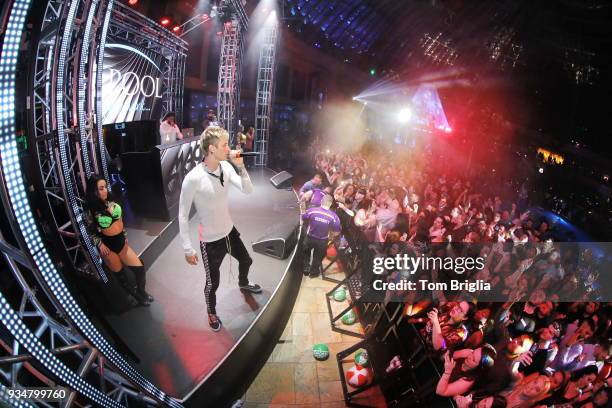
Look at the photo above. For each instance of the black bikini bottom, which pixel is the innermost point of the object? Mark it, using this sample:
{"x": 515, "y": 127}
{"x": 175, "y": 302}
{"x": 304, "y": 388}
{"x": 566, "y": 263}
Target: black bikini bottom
{"x": 115, "y": 243}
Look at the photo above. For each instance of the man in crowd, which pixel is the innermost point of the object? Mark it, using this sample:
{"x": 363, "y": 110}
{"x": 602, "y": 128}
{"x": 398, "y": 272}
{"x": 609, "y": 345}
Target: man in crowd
{"x": 315, "y": 182}
{"x": 320, "y": 222}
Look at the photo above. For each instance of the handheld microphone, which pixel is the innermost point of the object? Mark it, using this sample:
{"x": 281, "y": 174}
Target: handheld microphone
{"x": 235, "y": 154}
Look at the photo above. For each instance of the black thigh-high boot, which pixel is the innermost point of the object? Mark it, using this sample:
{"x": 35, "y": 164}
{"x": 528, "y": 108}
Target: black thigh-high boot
{"x": 131, "y": 288}
{"x": 141, "y": 280}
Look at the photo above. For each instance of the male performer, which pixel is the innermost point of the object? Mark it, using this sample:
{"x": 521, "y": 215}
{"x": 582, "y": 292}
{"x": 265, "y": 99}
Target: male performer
{"x": 321, "y": 221}
{"x": 207, "y": 186}
{"x": 168, "y": 129}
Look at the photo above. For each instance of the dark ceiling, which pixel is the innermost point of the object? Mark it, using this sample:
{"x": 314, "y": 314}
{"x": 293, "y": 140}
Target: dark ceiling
{"x": 555, "y": 56}
{"x": 551, "y": 60}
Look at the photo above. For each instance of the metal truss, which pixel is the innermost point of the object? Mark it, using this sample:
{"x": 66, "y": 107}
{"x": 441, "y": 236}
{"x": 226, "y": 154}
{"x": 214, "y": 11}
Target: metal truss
{"x": 46, "y": 144}
{"x": 62, "y": 102}
{"x": 58, "y": 337}
{"x": 228, "y": 90}
{"x": 230, "y": 67}
{"x": 131, "y": 26}
{"x": 265, "y": 92}
{"x": 193, "y": 23}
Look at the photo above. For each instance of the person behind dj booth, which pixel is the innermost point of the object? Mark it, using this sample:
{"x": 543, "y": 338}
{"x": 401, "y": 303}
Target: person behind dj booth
{"x": 207, "y": 187}
{"x": 168, "y": 129}
{"x": 249, "y": 144}
{"x": 321, "y": 221}
{"x": 108, "y": 234}
{"x": 211, "y": 119}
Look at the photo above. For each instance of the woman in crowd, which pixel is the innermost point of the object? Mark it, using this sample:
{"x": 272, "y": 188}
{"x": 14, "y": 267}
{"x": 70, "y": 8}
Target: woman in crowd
{"x": 577, "y": 390}
{"x": 463, "y": 369}
{"x": 528, "y": 392}
{"x": 108, "y": 234}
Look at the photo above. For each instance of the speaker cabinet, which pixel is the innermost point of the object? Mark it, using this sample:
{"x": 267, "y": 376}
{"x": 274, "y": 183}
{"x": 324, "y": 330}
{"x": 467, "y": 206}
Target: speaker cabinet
{"x": 278, "y": 242}
{"x": 282, "y": 180}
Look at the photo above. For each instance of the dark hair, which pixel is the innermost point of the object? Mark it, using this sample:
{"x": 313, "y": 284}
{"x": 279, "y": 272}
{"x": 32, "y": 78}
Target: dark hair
{"x": 590, "y": 369}
{"x": 169, "y": 115}
{"x": 499, "y": 401}
{"x": 93, "y": 201}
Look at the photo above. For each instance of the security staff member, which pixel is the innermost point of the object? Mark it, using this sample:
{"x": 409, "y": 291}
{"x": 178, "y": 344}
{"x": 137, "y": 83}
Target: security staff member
{"x": 321, "y": 221}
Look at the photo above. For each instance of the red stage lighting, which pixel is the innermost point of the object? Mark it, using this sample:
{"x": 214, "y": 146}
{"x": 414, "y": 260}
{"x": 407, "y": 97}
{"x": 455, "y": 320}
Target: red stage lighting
{"x": 132, "y": 2}
{"x": 165, "y": 21}
{"x": 176, "y": 28}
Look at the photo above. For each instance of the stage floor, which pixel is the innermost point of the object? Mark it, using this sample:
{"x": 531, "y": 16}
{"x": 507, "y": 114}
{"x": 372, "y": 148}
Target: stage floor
{"x": 177, "y": 348}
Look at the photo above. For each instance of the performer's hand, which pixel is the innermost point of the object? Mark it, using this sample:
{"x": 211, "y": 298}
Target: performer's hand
{"x": 191, "y": 259}
{"x": 104, "y": 251}
{"x": 239, "y": 162}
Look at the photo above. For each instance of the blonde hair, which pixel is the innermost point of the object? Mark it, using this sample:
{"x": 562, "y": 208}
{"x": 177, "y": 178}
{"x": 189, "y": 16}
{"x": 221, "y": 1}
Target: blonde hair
{"x": 211, "y": 136}
{"x": 516, "y": 398}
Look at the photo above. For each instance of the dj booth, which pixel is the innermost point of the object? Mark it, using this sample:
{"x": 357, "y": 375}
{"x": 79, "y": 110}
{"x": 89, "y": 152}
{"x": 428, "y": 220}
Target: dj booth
{"x": 153, "y": 172}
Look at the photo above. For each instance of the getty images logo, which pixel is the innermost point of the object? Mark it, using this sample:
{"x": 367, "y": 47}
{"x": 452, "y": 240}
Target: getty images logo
{"x": 130, "y": 82}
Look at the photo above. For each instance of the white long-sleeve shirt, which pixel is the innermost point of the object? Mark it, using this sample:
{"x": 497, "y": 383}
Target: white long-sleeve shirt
{"x": 210, "y": 199}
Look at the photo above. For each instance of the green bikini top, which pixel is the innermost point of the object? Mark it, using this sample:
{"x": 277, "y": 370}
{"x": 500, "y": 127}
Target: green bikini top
{"x": 104, "y": 220}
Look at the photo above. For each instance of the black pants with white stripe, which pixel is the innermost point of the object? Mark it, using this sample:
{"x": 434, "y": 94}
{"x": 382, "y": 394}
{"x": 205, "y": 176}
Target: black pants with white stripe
{"x": 213, "y": 254}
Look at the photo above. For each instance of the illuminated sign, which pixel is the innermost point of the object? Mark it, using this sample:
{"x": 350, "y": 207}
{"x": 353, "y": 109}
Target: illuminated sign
{"x": 132, "y": 87}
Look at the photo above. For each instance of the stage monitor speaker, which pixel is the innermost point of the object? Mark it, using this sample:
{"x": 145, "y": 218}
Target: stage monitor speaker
{"x": 278, "y": 242}
{"x": 282, "y": 180}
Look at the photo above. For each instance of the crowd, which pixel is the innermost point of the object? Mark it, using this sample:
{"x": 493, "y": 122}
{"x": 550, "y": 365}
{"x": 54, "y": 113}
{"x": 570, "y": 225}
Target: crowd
{"x": 535, "y": 348}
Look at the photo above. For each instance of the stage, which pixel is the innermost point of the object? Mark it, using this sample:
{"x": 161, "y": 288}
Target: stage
{"x": 177, "y": 349}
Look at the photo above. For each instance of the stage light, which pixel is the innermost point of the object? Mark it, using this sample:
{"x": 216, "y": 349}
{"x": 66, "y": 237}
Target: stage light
{"x": 165, "y": 21}
{"x": 372, "y": 71}
{"x": 176, "y": 28}
{"x": 448, "y": 129}
{"x": 541, "y": 170}
{"x": 132, "y": 2}
{"x": 403, "y": 116}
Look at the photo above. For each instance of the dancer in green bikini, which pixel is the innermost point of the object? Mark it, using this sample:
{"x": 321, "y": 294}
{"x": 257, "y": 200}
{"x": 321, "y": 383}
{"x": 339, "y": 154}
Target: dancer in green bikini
{"x": 108, "y": 234}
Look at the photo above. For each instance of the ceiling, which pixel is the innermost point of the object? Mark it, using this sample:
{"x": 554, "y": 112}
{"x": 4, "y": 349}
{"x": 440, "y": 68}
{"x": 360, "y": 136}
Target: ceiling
{"x": 555, "y": 54}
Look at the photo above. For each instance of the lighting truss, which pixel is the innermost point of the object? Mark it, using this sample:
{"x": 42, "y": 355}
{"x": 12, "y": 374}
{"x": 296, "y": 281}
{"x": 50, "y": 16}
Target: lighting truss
{"x": 438, "y": 49}
{"x": 193, "y": 23}
{"x": 230, "y": 66}
{"x": 504, "y": 49}
{"x": 98, "y": 88}
{"x": 67, "y": 24}
{"x": 265, "y": 92}
{"x": 78, "y": 147}
{"x": 228, "y": 90}
{"x": 61, "y": 339}
{"x": 577, "y": 63}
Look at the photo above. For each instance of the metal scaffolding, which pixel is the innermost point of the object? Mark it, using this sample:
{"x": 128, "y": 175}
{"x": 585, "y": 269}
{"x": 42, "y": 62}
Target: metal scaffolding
{"x": 230, "y": 66}
{"x": 48, "y": 332}
{"x": 265, "y": 92}
{"x": 228, "y": 91}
